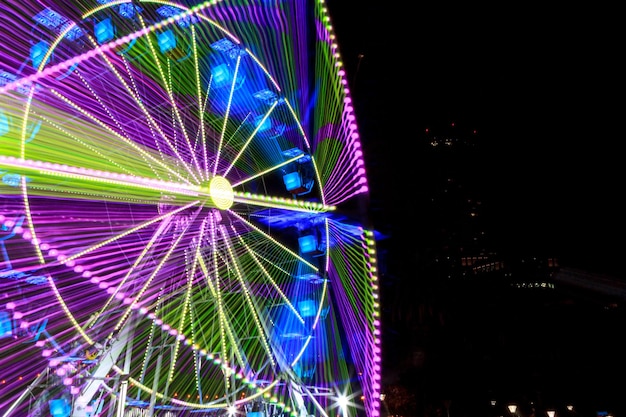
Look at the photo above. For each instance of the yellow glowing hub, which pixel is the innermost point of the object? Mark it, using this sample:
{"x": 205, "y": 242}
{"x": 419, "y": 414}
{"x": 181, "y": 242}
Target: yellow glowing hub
{"x": 221, "y": 193}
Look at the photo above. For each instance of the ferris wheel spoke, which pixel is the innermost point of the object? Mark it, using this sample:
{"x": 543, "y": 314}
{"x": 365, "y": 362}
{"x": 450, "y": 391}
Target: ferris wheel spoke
{"x": 136, "y": 95}
{"x": 269, "y": 170}
{"x": 268, "y": 239}
{"x": 152, "y": 125}
{"x": 127, "y": 232}
{"x": 223, "y": 292}
{"x": 176, "y": 108}
{"x": 133, "y": 298}
{"x": 43, "y": 179}
{"x": 173, "y": 103}
{"x": 138, "y": 296}
{"x": 250, "y": 138}
{"x": 135, "y": 266}
{"x": 252, "y": 307}
{"x": 280, "y": 297}
{"x": 221, "y": 285}
{"x": 186, "y": 298}
{"x": 291, "y": 205}
{"x": 227, "y": 114}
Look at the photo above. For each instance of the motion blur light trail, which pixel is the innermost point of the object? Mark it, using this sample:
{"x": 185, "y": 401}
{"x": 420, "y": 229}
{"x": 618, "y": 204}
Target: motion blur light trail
{"x": 183, "y": 212}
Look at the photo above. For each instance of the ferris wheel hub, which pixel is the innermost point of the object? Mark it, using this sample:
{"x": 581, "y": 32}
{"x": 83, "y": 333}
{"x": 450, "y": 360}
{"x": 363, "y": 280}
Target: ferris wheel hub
{"x": 221, "y": 192}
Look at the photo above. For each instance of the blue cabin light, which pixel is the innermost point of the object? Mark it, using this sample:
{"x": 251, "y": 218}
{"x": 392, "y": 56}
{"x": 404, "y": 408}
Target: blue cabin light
{"x": 292, "y": 181}
{"x": 307, "y": 243}
{"x": 221, "y": 74}
{"x": 104, "y": 31}
{"x": 167, "y": 40}
{"x": 38, "y": 52}
{"x": 59, "y": 407}
{"x": 6, "y": 327}
{"x": 306, "y": 308}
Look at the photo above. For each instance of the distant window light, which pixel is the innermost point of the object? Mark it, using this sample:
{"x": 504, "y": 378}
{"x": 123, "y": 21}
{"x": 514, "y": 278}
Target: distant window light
{"x": 553, "y": 263}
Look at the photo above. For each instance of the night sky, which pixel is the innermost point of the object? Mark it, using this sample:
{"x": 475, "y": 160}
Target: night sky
{"x": 542, "y": 89}
{"x": 540, "y": 86}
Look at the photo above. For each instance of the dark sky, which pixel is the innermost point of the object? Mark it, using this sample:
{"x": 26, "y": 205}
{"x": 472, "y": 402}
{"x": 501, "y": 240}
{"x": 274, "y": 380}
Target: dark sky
{"x": 542, "y": 88}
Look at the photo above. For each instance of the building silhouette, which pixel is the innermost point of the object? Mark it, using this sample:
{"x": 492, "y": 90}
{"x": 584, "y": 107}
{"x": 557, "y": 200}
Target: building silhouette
{"x": 472, "y": 325}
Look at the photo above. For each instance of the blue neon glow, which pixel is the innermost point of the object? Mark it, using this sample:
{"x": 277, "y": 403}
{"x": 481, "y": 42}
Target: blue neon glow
{"x": 307, "y": 308}
{"x": 221, "y": 75}
{"x": 307, "y": 244}
{"x": 265, "y": 125}
{"x": 6, "y": 328}
{"x": 74, "y": 33}
{"x": 292, "y": 181}
{"x": 59, "y": 408}
{"x": 38, "y": 52}
{"x": 4, "y": 123}
{"x": 11, "y": 179}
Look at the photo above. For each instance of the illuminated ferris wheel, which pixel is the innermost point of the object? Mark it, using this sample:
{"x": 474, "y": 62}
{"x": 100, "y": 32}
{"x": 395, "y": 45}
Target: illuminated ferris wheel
{"x": 189, "y": 185}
